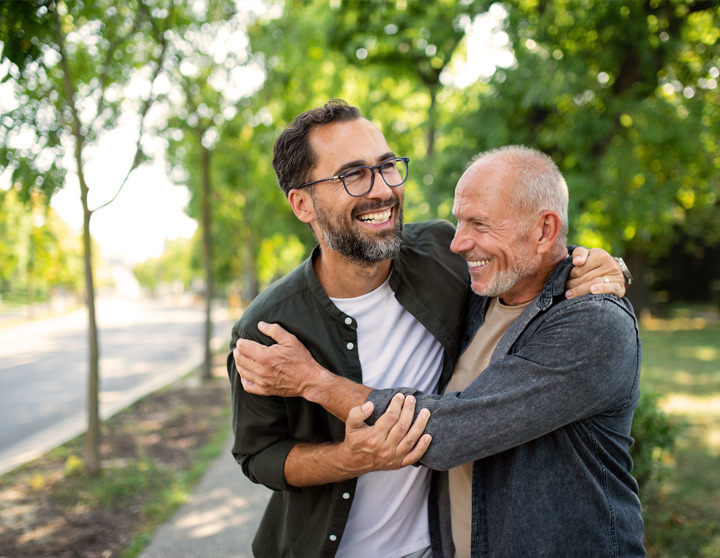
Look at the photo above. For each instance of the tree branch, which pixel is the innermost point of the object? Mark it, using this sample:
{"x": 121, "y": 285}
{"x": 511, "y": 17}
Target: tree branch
{"x": 138, "y": 158}
{"x": 108, "y": 57}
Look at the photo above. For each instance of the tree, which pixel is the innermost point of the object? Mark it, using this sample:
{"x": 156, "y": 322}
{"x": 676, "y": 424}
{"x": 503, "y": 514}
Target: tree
{"x": 69, "y": 69}
{"x": 392, "y": 59}
{"x": 173, "y": 267}
{"x": 203, "y": 76}
{"x": 624, "y": 97}
{"x": 38, "y": 250}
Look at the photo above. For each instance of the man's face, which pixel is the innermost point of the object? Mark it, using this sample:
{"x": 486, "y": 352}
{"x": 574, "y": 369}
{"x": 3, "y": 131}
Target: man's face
{"x": 363, "y": 229}
{"x": 496, "y": 245}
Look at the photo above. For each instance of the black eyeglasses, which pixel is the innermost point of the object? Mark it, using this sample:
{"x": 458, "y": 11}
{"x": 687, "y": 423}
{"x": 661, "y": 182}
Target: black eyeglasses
{"x": 358, "y": 181}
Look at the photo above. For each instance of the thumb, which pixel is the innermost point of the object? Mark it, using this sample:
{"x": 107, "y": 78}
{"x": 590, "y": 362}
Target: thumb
{"x": 580, "y": 256}
{"x": 357, "y": 416}
{"x": 282, "y": 336}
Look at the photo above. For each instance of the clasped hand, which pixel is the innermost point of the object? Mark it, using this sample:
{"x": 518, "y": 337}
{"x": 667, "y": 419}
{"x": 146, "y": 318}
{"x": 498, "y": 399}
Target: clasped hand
{"x": 287, "y": 369}
{"x": 393, "y": 442}
{"x": 284, "y": 369}
{"x": 590, "y": 268}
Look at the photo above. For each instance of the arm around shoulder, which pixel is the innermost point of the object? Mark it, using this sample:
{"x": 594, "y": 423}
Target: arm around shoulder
{"x": 581, "y": 359}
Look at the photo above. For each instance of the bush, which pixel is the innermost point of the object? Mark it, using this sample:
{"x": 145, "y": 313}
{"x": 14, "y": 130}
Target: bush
{"x": 655, "y": 433}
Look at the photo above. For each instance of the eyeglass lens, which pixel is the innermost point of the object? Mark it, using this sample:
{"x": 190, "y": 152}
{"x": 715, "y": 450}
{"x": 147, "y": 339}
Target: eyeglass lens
{"x": 359, "y": 180}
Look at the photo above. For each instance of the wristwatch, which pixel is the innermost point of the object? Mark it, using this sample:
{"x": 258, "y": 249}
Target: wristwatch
{"x": 625, "y": 271}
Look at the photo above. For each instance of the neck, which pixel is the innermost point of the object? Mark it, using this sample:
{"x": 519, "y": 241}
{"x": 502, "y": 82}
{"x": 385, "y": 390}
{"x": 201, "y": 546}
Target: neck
{"x": 342, "y": 278}
{"x": 527, "y": 289}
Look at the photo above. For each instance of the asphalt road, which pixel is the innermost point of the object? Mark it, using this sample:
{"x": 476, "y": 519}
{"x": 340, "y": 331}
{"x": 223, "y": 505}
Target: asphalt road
{"x": 43, "y": 368}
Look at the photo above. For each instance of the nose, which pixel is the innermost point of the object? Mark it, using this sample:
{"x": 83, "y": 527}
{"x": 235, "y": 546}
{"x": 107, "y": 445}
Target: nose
{"x": 461, "y": 242}
{"x": 380, "y": 189}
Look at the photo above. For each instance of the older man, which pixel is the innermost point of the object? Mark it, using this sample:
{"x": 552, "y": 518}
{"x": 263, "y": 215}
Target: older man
{"x": 376, "y": 302}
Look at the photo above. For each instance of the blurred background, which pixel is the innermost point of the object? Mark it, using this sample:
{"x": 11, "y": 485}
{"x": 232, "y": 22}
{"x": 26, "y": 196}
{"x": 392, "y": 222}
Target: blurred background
{"x": 136, "y": 144}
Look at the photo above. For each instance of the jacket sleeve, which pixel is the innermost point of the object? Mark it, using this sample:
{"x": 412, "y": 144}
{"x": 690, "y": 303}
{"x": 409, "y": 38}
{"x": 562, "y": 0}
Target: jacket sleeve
{"x": 260, "y": 426}
{"x": 581, "y": 360}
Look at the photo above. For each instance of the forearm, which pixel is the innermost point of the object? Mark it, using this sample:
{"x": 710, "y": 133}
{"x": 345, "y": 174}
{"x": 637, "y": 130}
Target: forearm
{"x": 316, "y": 464}
{"x": 563, "y": 373}
{"x": 393, "y": 442}
{"x": 337, "y": 395}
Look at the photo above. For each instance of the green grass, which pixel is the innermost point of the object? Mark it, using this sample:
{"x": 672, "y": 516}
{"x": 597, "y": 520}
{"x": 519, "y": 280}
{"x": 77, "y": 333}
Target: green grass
{"x": 681, "y": 362}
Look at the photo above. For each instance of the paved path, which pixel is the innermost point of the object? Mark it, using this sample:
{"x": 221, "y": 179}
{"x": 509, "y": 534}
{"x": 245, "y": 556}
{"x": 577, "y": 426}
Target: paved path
{"x": 144, "y": 345}
{"x": 220, "y": 519}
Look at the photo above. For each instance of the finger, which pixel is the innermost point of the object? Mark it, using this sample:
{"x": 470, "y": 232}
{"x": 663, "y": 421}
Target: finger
{"x": 414, "y": 433}
{"x": 242, "y": 360}
{"x": 249, "y": 349}
{"x": 418, "y": 451}
{"x": 282, "y": 336}
{"x": 596, "y": 286}
{"x": 616, "y": 289}
{"x": 580, "y": 255}
{"x": 582, "y": 273}
{"x": 391, "y": 415}
{"x": 249, "y": 386}
{"x": 358, "y": 415}
{"x": 404, "y": 422}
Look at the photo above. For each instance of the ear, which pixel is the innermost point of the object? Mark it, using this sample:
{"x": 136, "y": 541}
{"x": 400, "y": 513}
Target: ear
{"x": 550, "y": 224}
{"x": 302, "y": 205}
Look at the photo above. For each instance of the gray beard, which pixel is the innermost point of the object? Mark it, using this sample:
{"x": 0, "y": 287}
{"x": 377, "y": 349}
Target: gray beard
{"x": 504, "y": 281}
{"x": 354, "y": 245}
{"x": 364, "y": 250}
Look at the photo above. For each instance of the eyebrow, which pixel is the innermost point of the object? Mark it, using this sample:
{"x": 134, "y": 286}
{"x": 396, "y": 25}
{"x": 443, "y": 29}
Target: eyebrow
{"x": 360, "y": 163}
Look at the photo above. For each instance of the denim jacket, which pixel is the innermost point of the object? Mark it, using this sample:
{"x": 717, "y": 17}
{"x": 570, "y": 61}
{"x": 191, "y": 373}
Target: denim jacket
{"x": 547, "y": 425}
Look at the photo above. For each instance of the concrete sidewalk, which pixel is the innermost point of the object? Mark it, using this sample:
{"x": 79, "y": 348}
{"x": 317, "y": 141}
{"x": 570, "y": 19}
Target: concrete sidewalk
{"x": 220, "y": 519}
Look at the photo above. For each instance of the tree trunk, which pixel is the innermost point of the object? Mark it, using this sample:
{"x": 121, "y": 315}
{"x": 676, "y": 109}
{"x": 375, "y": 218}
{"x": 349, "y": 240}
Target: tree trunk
{"x": 251, "y": 284}
{"x": 207, "y": 256}
{"x": 92, "y": 437}
{"x": 432, "y": 124}
{"x": 637, "y": 293}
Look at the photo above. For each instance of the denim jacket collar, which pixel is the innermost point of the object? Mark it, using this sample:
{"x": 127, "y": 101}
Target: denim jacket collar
{"x": 477, "y": 306}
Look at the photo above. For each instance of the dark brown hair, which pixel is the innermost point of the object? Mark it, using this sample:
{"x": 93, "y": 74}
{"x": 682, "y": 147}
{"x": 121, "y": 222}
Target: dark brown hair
{"x": 293, "y": 158}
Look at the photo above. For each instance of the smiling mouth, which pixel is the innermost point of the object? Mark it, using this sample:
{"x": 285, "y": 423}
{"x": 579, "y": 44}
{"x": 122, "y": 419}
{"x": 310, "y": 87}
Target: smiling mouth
{"x": 377, "y": 217}
{"x": 478, "y": 263}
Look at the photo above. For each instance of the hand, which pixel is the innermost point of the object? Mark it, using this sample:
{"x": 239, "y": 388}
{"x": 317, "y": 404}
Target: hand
{"x": 590, "y": 268}
{"x": 393, "y": 442}
{"x": 284, "y": 369}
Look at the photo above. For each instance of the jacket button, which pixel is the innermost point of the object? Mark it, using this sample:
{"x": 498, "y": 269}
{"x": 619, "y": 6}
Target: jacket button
{"x": 348, "y": 321}
{"x": 350, "y": 346}
{"x": 346, "y": 496}
{"x": 333, "y": 538}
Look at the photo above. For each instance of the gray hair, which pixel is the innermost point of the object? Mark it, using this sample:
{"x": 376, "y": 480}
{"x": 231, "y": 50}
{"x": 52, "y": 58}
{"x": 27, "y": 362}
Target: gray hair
{"x": 539, "y": 185}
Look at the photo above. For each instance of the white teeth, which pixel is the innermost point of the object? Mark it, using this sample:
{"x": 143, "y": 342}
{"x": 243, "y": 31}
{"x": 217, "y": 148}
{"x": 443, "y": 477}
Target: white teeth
{"x": 376, "y": 217}
{"x": 478, "y": 263}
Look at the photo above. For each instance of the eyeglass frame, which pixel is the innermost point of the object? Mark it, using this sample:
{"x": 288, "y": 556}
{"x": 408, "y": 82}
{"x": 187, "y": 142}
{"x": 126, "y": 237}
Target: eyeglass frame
{"x": 341, "y": 176}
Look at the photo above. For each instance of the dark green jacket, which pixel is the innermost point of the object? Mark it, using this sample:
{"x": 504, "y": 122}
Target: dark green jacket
{"x": 428, "y": 280}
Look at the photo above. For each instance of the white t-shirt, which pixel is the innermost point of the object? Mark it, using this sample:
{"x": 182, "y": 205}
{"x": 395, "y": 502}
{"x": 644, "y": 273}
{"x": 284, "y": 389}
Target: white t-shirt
{"x": 389, "y": 516}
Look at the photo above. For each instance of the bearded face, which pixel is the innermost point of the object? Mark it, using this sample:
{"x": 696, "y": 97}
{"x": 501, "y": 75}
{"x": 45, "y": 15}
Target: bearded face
{"x": 353, "y": 238}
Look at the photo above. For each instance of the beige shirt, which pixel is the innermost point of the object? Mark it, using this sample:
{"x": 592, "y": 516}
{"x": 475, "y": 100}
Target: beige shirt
{"x": 471, "y": 363}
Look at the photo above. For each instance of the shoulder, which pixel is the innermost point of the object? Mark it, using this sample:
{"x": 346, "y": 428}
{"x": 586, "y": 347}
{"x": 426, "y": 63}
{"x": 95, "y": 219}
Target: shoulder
{"x": 437, "y": 230}
{"x": 430, "y": 241}
{"x": 597, "y": 339}
{"x": 594, "y": 306}
{"x": 426, "y": 259}
{"x": 282, "y": 296}
{"x": 591, "y": 324}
